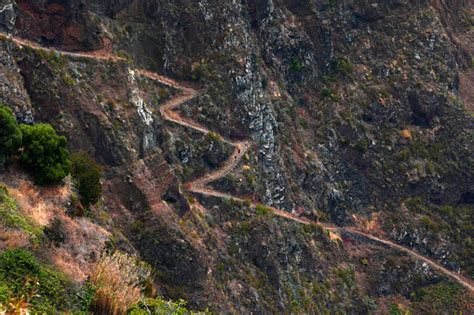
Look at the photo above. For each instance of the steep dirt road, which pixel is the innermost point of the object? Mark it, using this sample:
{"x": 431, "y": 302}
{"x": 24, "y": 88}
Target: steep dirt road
{"x": 467, "y": 283}
{"x": 199, "y": 185}
{"x": 103, "y": 54}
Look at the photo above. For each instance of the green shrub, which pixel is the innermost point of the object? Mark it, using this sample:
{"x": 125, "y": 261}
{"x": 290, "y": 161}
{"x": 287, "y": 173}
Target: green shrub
{"x": 85, "y": 296}
{"x": 428, "y": 223}
{"x": 403, "y": 155}
{"x": 296, "y": 65}
{"x": 263, "y": 210}
{"x": 4, "y": 295}
{"x": 30, "y": 282}
{"x": 68, "y": 80}
{"x": 160, "y": 306}
{"x": 45, "y": 154}
{"x": 343, "y": 66}
{"x": 396, "y": 309}
{"x": 214, "y": 137}
{"x": 331, "y": 94}
{"x": 86, "y": 173}
{"x": 346, "y": 275}
{"x": 10, "y": 135}
{"x": 56, "y": 60}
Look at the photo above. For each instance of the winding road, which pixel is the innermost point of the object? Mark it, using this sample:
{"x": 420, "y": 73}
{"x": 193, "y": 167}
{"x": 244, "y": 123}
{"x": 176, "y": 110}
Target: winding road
{"x": 199, "y": 186}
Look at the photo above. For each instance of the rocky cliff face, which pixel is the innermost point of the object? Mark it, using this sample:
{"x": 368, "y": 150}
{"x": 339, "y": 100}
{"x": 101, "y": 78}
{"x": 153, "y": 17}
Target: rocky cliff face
{"x": 65, "y": 24}
{"x": 359, "y": 113}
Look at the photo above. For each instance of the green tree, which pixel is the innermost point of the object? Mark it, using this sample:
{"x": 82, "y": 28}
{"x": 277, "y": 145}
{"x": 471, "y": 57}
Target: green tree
{"x": 86, "y": 173}
{"x": 10, "y": 135}
{"x": 45, "y": 154}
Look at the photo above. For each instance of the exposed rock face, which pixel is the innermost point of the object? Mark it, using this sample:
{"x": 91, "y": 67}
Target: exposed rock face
{"x": 7, "y": 15}
{"x": 12, "y": 87}
{"x": 65, "y": 24}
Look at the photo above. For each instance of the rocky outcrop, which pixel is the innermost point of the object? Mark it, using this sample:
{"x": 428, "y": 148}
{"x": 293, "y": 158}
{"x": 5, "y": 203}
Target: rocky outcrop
{"x": 12, "y": 86}
{"x": 68, "y": 25}
{"x": 7, "y": 15}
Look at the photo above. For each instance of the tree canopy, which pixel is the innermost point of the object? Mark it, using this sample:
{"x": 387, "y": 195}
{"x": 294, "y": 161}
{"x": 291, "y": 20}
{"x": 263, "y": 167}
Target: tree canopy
{"x": 45, "y": 154}
{"x": 86, "y": 173}
{"x": 10, "y": 134}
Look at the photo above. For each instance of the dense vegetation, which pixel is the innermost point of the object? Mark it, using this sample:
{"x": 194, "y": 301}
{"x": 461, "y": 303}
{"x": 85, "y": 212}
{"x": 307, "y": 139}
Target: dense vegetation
{"x": 29, "y": 284}
{"x": 86, "y": 173}
{"x": 44, "y": 153}
{"x": 26, "y": 283}
{"x": 10, "y": 135}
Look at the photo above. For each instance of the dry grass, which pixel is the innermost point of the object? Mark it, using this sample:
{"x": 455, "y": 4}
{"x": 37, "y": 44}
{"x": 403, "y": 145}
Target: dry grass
{"x": 335, "y": 237}
{"x": 119, "y": 279}
{"x": 40, "y": 204}
{"x": 13, "y": 239}
{"x": 406, "y": 134}
{"x": 85, "y": 241}
{"x": 78, "y": 255}
{"x": 369, "y": 225}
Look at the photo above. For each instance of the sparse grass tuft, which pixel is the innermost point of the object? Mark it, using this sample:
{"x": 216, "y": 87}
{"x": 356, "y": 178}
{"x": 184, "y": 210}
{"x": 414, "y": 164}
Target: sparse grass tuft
{"x": 214, "y": 137}
{"x": 68, "y": 80}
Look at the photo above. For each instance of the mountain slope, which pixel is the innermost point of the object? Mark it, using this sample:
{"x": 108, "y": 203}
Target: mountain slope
{"x": 350, "y": 112}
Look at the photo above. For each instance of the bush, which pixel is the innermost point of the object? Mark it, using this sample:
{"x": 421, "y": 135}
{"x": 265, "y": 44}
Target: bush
{"x": 86, "y": 173}
{"x": 343, "y": 66}
{"x": 214, "y": 137}
{"x": 10, "y": 135}
{"x": 26, "y": 283}
{"x": 331, "y": 94}
{"x": 263, "y": 210}
{"x": 296, "y": 65}
{"x": 428, "y": 223}
{"x": 160, "y": 306}
{"x": 396, "y": 309}
{"x": 45, "y": 153}
{"x": 85, "y": 297}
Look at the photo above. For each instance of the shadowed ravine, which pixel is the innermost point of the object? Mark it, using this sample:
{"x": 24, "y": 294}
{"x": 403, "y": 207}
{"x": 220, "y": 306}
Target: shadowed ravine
{"x": 199, "y": 186}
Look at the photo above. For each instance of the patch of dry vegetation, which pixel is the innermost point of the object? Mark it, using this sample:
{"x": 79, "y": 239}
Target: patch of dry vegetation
{"x": 83, "y": 242}
{"x": 119, "y": 279}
